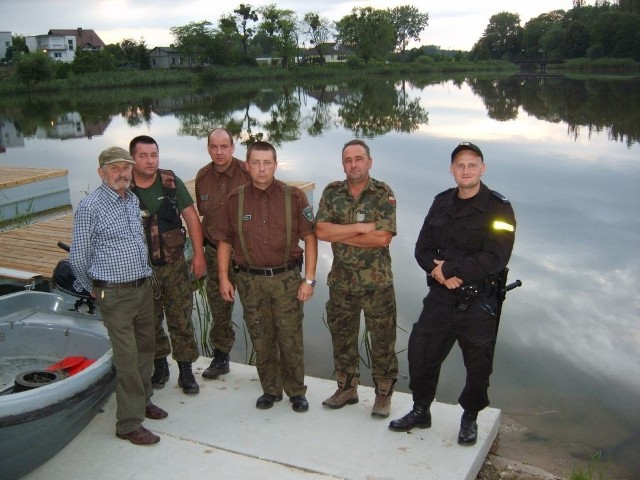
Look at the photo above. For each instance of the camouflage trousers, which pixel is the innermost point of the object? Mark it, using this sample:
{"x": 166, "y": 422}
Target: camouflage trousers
{"x": 221, "y": 332}
{"x": 343, "y": 317}
{"x": 273, "y": 315}
{"x": 173, "y": 301}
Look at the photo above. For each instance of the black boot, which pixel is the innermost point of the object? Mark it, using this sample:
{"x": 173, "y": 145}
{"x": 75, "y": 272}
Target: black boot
{"x": 418, "y": 417}
{"x": 219, "y": 365}
{"x": 468, "y": 428}
{"x": 186, "y": 381}
{"x": 160, "y": 372}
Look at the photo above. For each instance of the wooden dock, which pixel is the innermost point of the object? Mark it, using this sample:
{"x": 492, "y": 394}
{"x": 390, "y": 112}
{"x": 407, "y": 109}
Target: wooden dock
{"x": 17, "y": 176}
{"x": 25, "y": 192}
{"x": 33, "y": 248}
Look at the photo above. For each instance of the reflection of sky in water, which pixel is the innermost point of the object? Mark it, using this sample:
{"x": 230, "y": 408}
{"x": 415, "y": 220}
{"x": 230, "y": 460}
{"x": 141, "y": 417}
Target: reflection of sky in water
{"x": 572, "y": 326}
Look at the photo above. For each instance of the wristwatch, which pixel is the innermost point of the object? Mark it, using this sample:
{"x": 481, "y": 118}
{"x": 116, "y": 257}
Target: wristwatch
{"x": 311, "y": 283}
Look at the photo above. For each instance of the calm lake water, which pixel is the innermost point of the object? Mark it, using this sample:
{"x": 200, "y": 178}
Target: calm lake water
{"x": 565, "y": 151}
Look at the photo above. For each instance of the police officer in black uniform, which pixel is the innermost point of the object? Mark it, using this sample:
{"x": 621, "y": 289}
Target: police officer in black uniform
{"x": 464, "y": 245}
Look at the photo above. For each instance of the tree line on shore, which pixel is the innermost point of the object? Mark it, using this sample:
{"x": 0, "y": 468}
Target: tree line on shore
{"x": 366, "y": 36}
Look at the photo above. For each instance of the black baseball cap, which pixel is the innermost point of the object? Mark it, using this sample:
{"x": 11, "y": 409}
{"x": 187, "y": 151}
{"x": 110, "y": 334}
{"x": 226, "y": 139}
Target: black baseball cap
{"x": 466, "y": 146}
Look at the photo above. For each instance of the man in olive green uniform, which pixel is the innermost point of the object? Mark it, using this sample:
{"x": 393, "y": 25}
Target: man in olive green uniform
{"x": 358, "y": 217}
{"x": 214, "y": 181}
{"x": 264, "y": 224}
{"x": 163, "y": 200}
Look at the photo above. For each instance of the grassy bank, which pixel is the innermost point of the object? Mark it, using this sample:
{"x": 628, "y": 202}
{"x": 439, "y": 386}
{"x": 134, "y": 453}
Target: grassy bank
{"x": 157, "y": 78}
{"x": 9, "y": 84}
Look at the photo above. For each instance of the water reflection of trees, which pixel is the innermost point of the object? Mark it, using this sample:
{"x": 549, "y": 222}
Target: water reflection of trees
{"x": 281, "y": 113}
{"x": 378, "y": 107}
{"x": 368, "y": 107}
{"x": 592, "y": 104}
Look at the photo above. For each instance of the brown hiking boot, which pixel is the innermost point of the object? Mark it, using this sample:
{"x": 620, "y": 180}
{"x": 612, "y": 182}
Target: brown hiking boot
{"x": 346, "y": 394}
{"x": 384, "y": 390}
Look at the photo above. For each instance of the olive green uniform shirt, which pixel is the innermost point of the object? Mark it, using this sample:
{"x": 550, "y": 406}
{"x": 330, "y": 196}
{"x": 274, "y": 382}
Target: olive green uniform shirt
{"x": 358, "y": 268}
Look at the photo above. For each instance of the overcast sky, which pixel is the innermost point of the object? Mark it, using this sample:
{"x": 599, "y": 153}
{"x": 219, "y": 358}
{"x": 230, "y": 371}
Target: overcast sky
{"x": 453, "y": 24}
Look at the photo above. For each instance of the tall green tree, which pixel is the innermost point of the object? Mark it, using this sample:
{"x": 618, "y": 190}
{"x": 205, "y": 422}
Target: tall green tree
{"x": 141, "y": 55}
{"x": 318, "y": 30}
{"x": 193, "y": 40}
{"x": 618, "y": 33}
{"x": 128, "y": 47}
{"x": 230, "y": 39}
{"x": 369, "y": 33}
{"x": 552, "y": 42}
{"x": 535, "y": 29}
{"x": 576, "y": 40}
{"x": 129, "y": 53}
{"x": 281, "y": 27}
{"x": 409, "y": 23}
{"x": 245, "y": 14}
{"x": 503, "y": 35}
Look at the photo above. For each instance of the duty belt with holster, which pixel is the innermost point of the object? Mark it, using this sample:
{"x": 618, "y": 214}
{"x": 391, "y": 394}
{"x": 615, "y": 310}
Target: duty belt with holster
{"x": 466, "y": 293}
{"x": 488, "y": 288}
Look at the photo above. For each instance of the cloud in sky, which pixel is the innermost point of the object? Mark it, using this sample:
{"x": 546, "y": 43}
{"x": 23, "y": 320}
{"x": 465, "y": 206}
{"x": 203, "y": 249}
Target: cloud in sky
{"x": 452, "y": 25}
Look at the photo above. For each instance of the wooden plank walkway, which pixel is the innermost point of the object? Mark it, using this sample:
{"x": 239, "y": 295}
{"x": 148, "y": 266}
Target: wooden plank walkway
{"x": 16, "y": 176}
{"x": 34, "y": 247}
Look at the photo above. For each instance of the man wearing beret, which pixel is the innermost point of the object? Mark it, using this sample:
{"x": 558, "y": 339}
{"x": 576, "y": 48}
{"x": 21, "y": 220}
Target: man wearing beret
{"x": 464, "y": 246}
{"x": 109, "y": 258}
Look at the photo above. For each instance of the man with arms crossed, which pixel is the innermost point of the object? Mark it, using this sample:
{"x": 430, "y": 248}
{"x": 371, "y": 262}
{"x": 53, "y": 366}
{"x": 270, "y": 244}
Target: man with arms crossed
{"x": 358, "y": 217}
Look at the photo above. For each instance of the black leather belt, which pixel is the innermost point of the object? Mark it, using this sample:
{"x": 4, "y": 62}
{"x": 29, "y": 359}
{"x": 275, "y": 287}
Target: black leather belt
{"x": 136, "y": 283}
{"x": 269, "y": 272}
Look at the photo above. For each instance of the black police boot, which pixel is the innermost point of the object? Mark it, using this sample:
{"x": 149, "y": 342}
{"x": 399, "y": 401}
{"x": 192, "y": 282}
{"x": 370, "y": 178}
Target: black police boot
{"x": 266, "y": 400}
{"x": 160, "y": 372}
{"x": 186, "y": 380}
{"x": 299, "y": 403}
{"x": 219, "y": 365}
{"x": 468, "y": 428}
{"x": 418, "y": 417}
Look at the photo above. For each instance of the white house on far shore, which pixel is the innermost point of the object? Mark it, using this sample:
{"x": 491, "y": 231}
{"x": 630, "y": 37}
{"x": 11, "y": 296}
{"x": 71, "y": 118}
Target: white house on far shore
{"x": 5, "y": 42}
{"x": 62, "y": 44}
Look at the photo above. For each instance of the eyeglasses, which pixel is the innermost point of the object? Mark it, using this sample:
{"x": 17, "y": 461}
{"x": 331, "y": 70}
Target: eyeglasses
{"x": 263, "y": 163}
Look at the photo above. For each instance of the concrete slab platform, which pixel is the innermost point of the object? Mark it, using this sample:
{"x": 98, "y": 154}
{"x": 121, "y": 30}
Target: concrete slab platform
{"x": 220, "y": 434}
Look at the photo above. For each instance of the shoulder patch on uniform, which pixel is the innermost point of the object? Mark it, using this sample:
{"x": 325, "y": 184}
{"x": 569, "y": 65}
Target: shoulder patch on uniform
{"x": 500, "y": 197}
{"x": 308, "y": 213}
{"x": 445, "y": 192}
{"x": 392, "y": 200}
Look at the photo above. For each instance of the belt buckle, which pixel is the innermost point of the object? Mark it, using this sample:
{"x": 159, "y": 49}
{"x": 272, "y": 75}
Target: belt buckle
{"x": 268, "y": 272}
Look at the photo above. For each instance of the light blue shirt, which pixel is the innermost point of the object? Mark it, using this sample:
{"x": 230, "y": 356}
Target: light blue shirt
{"x": 108, "y": 240}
